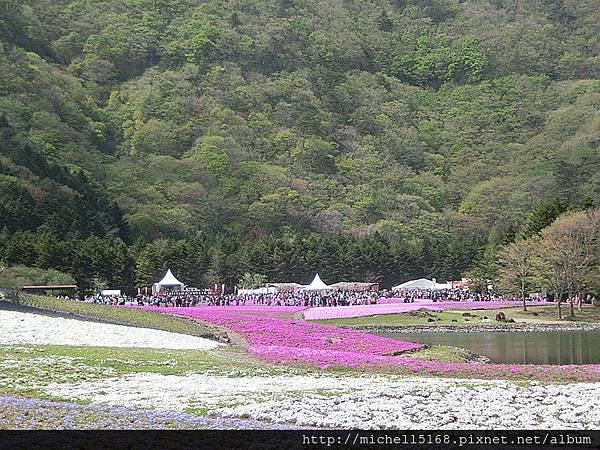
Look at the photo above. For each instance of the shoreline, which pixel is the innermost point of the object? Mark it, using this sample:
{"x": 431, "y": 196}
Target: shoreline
{"x": 482, "y": 328}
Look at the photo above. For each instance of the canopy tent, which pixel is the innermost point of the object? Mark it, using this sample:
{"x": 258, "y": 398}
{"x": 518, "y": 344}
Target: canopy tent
{"x": 317, "y": 285}
{"x": 111, "y": 293}
{"x": 257, "y": 291}
{"x": 285, "y": 287}
{"x": 421, "y": 283}
{"x": 356, "y": 286}
{"x": 169, "y": 282}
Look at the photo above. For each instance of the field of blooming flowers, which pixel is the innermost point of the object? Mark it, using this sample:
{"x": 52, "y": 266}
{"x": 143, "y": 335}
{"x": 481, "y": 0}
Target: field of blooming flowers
{"x": 352, "y": 400}
{"x": 287, "y": 341}
{"x": 32, "y": 414}
{"x": 266, "y": 332}
{"x": 346, "y": 312}
{"x": 21, "y": 328}
{"x": 140, "y": 388}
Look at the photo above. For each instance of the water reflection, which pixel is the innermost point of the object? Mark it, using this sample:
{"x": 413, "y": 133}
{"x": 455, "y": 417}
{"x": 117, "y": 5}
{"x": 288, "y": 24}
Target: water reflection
{"x": 564, "y": 347}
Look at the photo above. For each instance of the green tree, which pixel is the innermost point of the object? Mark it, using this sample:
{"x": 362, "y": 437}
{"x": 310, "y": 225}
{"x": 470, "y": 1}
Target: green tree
{"x": 541, "y": 217}
{"x": 517, "y": 267}
{"x": 210, "y": 152}
{"x": 251, "y": 281}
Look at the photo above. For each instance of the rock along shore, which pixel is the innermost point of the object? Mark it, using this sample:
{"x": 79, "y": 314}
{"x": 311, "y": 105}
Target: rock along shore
{"x": 480, "y": 328}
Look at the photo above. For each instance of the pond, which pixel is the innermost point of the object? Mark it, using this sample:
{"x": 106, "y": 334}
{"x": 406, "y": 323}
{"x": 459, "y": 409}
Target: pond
{"x": 544, "y": 347}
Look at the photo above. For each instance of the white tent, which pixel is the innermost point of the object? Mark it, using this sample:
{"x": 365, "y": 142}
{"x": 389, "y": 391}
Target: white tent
{"x": 257, "y": 291}
{"x": 421, "y": 283}
{"x": 111, "y": 292}
{"x": 317, "y": 285}
{"x": 168, "y": 281}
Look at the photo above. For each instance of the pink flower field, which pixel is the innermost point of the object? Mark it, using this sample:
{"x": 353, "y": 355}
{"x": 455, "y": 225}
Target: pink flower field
{"x": 266, "y": 332}
{"x": 277, "y": 339}
{"x": 346, "y": 312}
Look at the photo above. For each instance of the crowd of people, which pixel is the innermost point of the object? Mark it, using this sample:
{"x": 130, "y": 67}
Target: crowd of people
{"x": 303, "y": 299}
{"x": 306, "y": 299}
{"x": 448, "y": 295}
{"x": 297, "y": 298}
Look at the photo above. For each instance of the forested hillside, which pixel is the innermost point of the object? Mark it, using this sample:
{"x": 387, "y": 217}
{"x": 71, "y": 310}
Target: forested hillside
{"x": 377, "y": 140}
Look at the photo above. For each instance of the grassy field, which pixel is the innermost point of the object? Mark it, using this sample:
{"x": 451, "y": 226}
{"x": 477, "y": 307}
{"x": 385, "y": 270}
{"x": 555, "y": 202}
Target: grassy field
{"x": 27, "y": 369}
{"x": 442, "y": 353}
{"x": 121, "y": 316}
{"x": 536, "y": 314}
{"x": 547, "y": 314}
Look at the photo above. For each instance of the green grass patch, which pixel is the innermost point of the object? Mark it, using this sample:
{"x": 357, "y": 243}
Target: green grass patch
{"x": 442, "y": 353}
{"x": 99, "y": 362}
{"x": 199, "y": 411}
{"x": 522, "y": 383}
{"x": 28, "y": 370}
{"x": 541, "y": 314}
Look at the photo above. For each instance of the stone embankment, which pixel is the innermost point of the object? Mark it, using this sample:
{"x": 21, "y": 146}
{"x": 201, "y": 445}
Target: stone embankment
{"x": 480, "y": 328}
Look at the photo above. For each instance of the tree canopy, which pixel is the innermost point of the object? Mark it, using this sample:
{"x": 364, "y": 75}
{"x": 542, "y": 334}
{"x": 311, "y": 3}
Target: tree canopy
{"x": 370, "y": 140}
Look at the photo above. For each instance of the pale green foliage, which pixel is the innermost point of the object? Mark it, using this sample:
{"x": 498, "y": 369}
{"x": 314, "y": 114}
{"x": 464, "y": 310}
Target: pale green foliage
{"x": 564, "y": 258}
{"x": 14, "y": 277}
{"x": 441, "y": 125}
{"x": 252, "y": 281}
{"x": 210, "y": 152}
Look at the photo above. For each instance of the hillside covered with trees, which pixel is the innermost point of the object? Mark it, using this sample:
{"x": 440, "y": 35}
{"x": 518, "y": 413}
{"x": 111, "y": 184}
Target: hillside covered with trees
{"x": 368, "y": 140}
